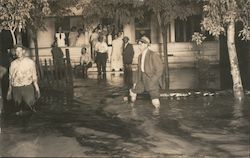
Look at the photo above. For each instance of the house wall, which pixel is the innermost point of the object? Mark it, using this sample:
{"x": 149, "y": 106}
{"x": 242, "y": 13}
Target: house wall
{"x": 180, "y": 54}
{"x": 46, "y": 38}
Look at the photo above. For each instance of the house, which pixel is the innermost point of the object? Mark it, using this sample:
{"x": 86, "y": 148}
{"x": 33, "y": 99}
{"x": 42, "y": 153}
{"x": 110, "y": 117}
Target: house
{"x": 182, "y": 51}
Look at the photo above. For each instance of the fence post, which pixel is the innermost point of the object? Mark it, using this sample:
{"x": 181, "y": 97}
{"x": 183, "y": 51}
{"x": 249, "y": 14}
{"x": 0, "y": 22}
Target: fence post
{"x": 69, "y": 79}
{"x": 69, "y": 67}
{"x": 41, "y": 69}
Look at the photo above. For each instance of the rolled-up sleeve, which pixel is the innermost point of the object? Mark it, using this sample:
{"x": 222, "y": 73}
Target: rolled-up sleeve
{"x": 10, "y": 73}
{"x": 33, "y": 72}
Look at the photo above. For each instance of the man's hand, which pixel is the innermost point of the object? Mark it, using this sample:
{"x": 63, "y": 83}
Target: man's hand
{"x": 9, "y": 97}
{"x": 38, "y": 94}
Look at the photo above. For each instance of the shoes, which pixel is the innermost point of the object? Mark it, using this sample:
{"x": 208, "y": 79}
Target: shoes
{"x": 19, "y": 113}
{"x": 156, "y": 103}
{"x": 156, "y": 111}
{"x": 132, "y": 95}
{"x": 32, "y": 108}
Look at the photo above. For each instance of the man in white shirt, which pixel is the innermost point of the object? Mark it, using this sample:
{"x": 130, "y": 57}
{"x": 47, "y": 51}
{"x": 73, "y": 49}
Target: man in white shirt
{"x": 101, "y": 49}
{"x": 23, "y": 85}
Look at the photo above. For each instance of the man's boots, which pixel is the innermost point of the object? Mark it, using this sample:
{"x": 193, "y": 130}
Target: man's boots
{"x": 85, "y": 73}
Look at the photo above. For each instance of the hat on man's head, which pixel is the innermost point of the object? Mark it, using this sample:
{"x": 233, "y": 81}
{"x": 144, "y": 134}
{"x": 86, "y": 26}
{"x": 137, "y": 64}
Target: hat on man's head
{"x": 125, "y": 38}
{"x": 19, "y": 45}
{"x": 145, "y": 40}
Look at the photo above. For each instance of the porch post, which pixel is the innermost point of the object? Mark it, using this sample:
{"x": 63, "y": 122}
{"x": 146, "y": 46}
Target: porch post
{"x": 172, "y": 31}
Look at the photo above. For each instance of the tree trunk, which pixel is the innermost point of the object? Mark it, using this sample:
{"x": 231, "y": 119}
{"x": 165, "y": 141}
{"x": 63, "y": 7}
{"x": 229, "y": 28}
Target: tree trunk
{"x": 165, "y": 51}
{"x": 166, "y": 66}
{"x": 36, "y": 49}
{"x": 19, "y": 38}
{"x": 13, "y": 36}
{"x": 235, "y": 71}
{"x": 34, "y": 37}
{"x": 36, "y": 53}
{"x": 116, "y": 22}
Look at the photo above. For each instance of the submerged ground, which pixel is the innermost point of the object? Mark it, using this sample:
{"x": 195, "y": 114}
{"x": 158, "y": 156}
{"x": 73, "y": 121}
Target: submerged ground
{"x": 99, "y": 121}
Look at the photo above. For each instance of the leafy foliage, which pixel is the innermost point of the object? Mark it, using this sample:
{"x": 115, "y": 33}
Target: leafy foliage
{"x": 121, "y": 9}
{"x": 39, "y": 11}
{"x": 171, "y": 9}
{"x": 219, "y": 13}
{"x": 198, "y": 38}
{"x": 63, "y": 7}
{"x": 14, "y": 13}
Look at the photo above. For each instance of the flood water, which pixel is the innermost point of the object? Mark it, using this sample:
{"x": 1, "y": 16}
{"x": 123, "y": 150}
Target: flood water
{"x": 99, "y": 121}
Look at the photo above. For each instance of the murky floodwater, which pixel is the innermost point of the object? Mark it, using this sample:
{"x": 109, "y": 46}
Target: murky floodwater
{"x": 100, "y": 122}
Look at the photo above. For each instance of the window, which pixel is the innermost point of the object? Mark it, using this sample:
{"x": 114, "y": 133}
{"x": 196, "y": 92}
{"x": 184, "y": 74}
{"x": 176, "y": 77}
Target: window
{"x": 64, "y": 22}
{"x": 180, "y": 27}
{"x": 184, "y": 29}
{"x": 142, "y": 27}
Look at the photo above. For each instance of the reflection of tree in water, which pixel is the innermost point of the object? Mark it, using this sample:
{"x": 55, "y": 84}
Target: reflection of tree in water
{"x": 205, "y": 75}
{"x": 238, "y": 117}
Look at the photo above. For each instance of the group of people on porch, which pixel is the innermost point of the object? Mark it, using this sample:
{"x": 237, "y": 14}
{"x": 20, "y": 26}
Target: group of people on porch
{"x": 150, "y": 66}
{"x": 117, "y": 50}
{"x": 88, "y": 38}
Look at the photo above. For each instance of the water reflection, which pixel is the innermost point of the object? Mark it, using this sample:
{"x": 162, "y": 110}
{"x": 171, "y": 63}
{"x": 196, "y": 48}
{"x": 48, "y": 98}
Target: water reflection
{"x": 238, "y": 119}
{"x": 100, "y": 119}
{"x": 184, "y": 78}
{"x": 133, "y": 110}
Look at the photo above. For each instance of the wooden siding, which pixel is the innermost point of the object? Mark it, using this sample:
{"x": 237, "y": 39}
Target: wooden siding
{"x": 180, "y": 54}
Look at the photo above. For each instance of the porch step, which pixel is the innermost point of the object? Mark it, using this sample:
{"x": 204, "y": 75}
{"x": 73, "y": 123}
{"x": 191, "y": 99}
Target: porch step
{"x": 94, "y": 67}
{"x": 108, "y": 67}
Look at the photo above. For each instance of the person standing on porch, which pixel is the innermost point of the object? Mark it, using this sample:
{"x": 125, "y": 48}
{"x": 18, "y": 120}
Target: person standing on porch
{"x": 23, "y": 86}
{"x": 60, "y": 37}
{"x": 116, "y": 56}
{"x": 93, "y": 40}
{"x": 73, "y": 37}
{"x": 58, "y": 61}
{"x": 127, "y": 58}
{"x": 80, "y": 42}
{"x": 101, "y": 48}
{"x": 109, "y": 42}
{"x": 150, "y": 70}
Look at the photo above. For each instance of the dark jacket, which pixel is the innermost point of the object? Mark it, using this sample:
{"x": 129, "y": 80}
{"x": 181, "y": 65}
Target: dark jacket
{"x": 128, "y": 54}
{"x": 57, "y": 55}
{"x": 153, "y": 68}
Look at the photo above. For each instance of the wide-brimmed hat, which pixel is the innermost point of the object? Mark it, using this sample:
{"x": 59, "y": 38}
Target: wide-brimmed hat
{"x": 145, "y": 40}
{"x": 19, "y": 45}
{"x": 125, "y": 38}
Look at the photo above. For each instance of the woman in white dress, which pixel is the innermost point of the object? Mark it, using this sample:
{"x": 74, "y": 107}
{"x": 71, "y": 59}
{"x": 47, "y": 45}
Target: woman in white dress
{"x": 80, "y": 42}
{"x": 60, "y": 37}
{"x": 116, "y": 55}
